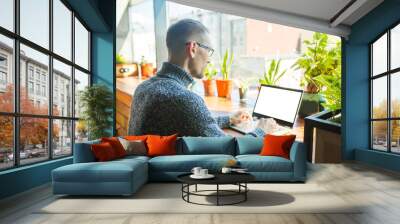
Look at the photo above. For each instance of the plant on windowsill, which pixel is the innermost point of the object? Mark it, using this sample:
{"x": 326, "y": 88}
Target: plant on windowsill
{"x": 224, "y": 85}
{"x": 96, "y": 102}
{"x": 209, "y": 85}
{"x": 318, "y": 60}
{"x": 243, "y": 86}
{"x": 272, "y": 75}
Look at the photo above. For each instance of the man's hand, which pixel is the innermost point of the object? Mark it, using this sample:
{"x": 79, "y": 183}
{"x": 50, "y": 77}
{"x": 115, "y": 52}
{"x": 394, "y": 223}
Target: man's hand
{"x": 239, "y": 117}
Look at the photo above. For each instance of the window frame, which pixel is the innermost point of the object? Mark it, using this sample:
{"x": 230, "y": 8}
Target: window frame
{"x": 388, "y": 74}
{"x": 16, "y": 114}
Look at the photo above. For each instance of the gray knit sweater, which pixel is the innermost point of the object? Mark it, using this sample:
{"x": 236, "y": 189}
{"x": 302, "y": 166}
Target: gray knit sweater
{"x": 164, "y": 105}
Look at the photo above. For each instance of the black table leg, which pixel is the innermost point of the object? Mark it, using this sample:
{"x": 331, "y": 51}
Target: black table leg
{"x": 196, "y": 188}
{"x": 217, "y": 194}
{"x": 245, "y": 193}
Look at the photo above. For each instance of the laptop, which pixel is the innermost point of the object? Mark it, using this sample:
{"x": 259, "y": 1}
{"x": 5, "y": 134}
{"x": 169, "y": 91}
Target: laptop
{"x": 280, "y": 103}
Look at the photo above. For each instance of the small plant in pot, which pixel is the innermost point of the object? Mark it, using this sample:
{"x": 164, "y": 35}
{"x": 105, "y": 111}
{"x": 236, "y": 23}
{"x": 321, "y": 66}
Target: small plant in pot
{"x": 272, "y": 75}
{"x": 209, "y": 85}
{"x": 224, "y": 85}
{"x": 96, "y": 102}
{"x": 243, "y": 86}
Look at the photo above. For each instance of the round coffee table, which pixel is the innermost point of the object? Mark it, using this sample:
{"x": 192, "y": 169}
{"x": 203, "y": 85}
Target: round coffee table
{"x": 238, "y": 179}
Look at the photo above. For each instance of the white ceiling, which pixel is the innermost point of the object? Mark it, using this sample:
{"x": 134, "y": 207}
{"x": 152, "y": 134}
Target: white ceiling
{"x": 319, "y": 9}
{"x": 315, "y": 15}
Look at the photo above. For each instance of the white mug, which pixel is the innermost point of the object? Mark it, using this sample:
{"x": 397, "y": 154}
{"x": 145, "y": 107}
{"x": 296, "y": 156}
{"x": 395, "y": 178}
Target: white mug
{"x": 226, "y": 170}
{"x": 203, "y": 172}
{"x": 196, "y": 170}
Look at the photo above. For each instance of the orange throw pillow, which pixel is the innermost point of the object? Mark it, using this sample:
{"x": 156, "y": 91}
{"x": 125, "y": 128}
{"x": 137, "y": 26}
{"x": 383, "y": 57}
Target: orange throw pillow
{"x": 277, "y": 145}
{"x": 116, "y": 145}
{"x": 103, "y": 152}
{"x": 136, "y": 137}
{"x": 161, "y": 145}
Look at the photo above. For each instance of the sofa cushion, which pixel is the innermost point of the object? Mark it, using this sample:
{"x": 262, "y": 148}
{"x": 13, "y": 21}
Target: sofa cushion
{"x": 111, "y": 171}
{"x": 103, "y": 152}
{"x": 161, "y": 145}
{"x": 116, "y": 145}
{"x": 134, "y": 147}
{"x": 249, "y": 145}
{"x": 277, "y": 145}
{"x": 207, "y": 145}
{"x": 257, "y": 163}
{"x": 185, "y": 163}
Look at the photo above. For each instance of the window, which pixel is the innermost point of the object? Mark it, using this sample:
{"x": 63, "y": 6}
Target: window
{"x": 30, "y": 72}
{"x": 81, "y": 45}
{"x": 143, "y": 33}
{"x": 44, "y": 91}
{"x": 35, "y": 21}
{"x": 7, "y": 14}
{"x": 6, "y": 73}
{"x": 62, "y": 137}
{"x": 81, "y": 81}
{"x": 3, "y": 78}
{"x": 46, "y": 131}
{"x": 61, "y": 74}
{"x": 246, "y": 39}
{"x": 6, "y": 142}
{"x": 30, "y": 87}
{"x": 62, "y": 29}
{"x": 385, "y": 94}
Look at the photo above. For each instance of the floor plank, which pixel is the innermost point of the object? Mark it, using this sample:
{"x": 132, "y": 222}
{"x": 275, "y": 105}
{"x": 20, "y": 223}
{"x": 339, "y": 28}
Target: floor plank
{"x": 377, "y": 190}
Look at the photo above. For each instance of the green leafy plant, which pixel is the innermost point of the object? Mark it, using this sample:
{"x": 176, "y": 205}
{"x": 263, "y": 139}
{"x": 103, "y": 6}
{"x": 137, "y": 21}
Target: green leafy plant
{"x": 243, "y": 83}
{"x": 120, "y": 59}
{"x": 318, "y": 60}
{"x": 96, "y": 102}
{"x": 331, "y": 90}
{"x": 273, "y": 75}
{"x": 210, "y": 71}
{"x": 332, "y": 83}
{"x": 226, "y": 65}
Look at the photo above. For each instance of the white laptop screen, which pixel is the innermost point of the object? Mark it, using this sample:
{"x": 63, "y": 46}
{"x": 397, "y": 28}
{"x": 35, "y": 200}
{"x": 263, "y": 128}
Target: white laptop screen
{"x": 279, "y": 103}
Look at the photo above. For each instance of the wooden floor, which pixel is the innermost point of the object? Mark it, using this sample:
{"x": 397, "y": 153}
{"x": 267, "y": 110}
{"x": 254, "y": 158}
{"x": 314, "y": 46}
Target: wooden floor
{"x": 378, "y": 189}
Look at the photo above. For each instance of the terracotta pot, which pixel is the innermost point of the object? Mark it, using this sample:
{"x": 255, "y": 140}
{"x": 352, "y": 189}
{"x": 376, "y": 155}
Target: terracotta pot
{"x": 147, "y": 69}
{"x": 311, "y": 88}
{"x": 209, "y": 87}
{"x": 224, "y": 87}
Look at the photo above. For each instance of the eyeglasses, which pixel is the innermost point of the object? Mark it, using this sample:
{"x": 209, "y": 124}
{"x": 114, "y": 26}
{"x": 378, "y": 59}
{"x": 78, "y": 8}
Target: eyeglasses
{"x": 209, "y": 49}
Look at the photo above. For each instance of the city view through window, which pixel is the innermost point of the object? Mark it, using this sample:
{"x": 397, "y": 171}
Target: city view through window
{"x": 44, "y": 113}
{"x": 385, "y": 79}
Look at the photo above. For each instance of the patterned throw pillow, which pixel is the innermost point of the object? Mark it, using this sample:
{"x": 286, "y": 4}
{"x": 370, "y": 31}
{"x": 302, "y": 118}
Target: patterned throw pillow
{"x": 134, "y": 147}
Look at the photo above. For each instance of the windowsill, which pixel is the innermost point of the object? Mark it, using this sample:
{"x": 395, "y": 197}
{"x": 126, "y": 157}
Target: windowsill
{"x": 378, "y": 158}
{"x": 26, "y": 167}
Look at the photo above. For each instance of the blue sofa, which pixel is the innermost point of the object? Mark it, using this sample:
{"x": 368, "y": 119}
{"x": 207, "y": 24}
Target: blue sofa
{"x": 125, "y": 176}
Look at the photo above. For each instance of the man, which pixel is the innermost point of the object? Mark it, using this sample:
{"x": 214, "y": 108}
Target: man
{"x": 164, "y": 105}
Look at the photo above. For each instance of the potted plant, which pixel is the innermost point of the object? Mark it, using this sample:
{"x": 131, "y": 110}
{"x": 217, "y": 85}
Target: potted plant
{"x": 317, "y": 61}
{"x": 224, "y": 85}
{"x": 273, "y": 75}
{"x": 243, "y": 86}
{"x": 96, "y": 102}
{"x": 146, "y": 68}
{"x": 209, "y": 85}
